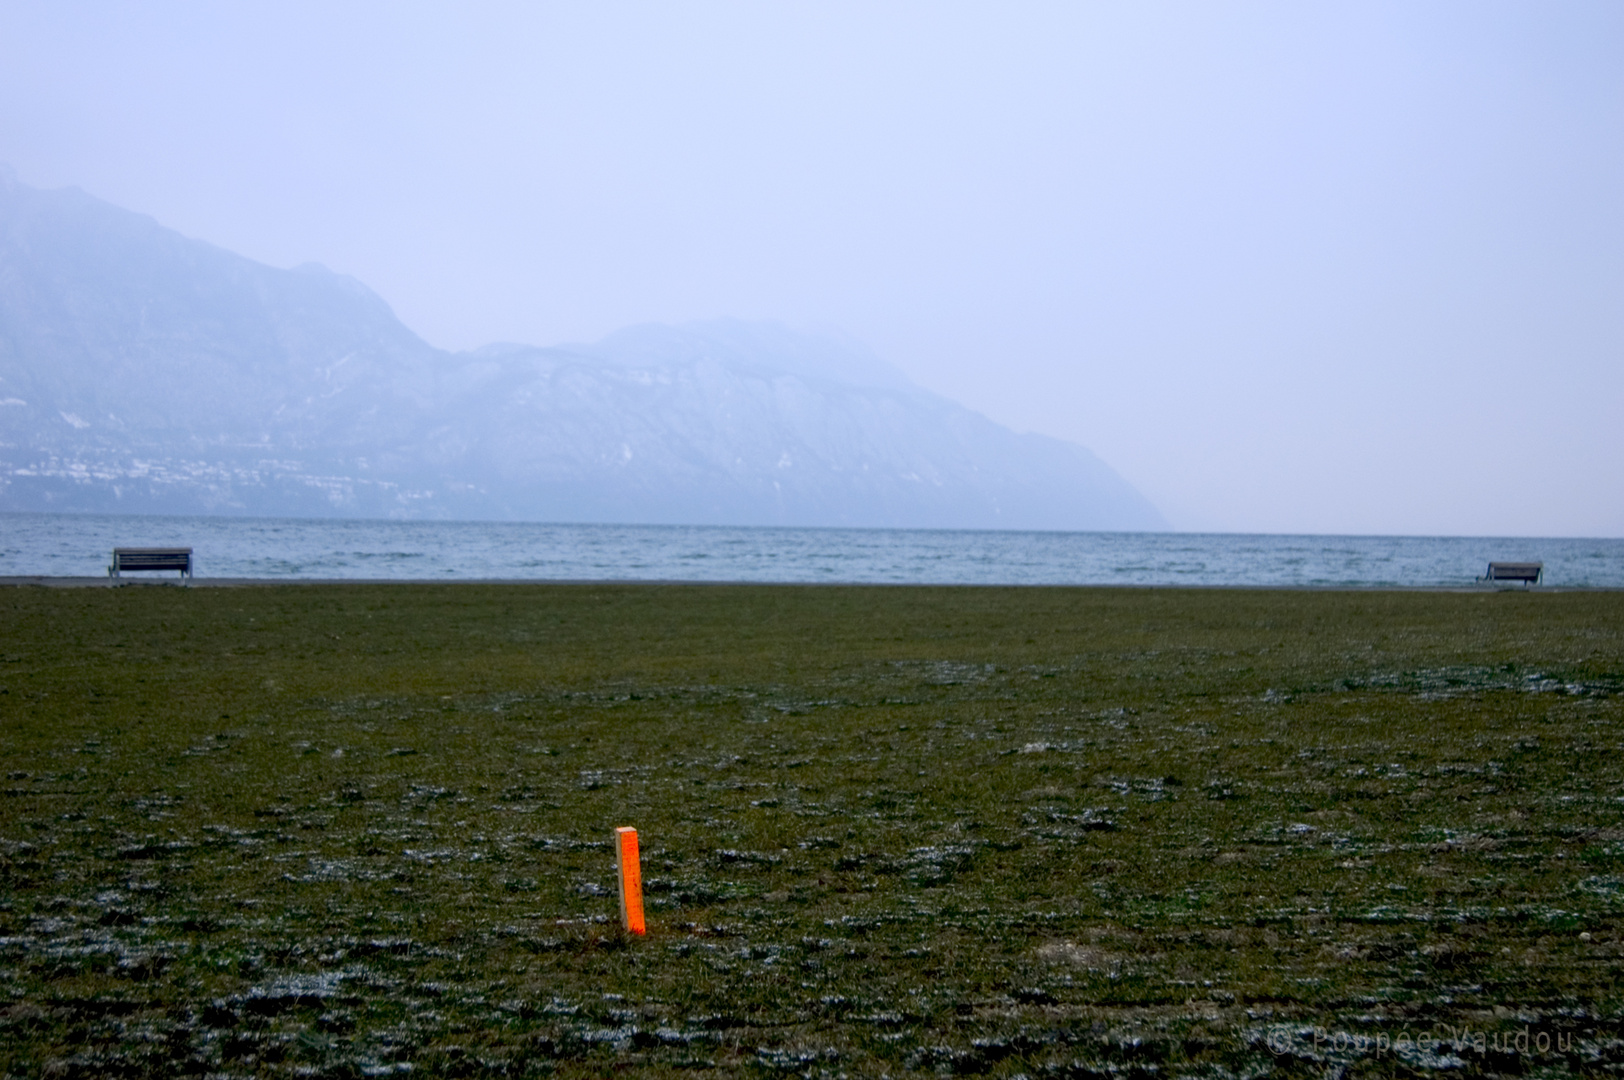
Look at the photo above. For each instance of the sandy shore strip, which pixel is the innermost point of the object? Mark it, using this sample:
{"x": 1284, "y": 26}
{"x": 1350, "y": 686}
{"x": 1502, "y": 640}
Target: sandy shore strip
{"x": 55, "y": 582}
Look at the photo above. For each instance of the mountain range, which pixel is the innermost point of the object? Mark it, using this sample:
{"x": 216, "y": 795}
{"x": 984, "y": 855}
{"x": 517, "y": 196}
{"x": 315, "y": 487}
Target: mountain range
{"x": 145, "y": 372}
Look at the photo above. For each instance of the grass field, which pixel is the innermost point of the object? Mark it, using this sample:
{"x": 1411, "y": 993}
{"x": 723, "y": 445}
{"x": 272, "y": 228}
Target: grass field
{"x": 364, "y": 830}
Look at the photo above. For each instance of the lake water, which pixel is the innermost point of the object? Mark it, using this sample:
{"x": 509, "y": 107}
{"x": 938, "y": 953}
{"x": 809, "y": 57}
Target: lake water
{"x": 66, "y": 545}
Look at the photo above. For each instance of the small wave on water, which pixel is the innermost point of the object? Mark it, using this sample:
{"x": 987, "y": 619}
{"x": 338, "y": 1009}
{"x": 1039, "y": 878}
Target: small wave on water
{"x": 74, "y": 545}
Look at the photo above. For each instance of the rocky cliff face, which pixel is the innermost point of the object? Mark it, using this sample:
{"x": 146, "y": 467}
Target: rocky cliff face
{"x": 144, "y": 372}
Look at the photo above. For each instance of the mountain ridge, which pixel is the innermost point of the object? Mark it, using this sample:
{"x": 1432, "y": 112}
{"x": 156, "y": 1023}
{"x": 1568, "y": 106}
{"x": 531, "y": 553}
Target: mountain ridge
{"x": 143, "y": 371}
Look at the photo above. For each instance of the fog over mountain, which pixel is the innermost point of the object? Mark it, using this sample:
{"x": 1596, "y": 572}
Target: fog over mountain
{"x": 145, "y": 372}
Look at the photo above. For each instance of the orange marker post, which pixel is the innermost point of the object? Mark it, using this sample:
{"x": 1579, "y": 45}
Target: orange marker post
{"x": 631, "y": 879}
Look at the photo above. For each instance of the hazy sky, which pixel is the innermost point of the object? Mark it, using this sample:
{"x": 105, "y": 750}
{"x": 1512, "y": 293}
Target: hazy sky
{"x": 1288, "y": 267}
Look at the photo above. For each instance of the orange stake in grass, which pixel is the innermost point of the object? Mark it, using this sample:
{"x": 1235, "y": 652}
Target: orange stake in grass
{"x": 631, "y": 879}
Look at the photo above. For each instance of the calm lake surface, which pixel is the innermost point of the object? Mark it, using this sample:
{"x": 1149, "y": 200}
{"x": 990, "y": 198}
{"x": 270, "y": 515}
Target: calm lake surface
{"x": 80, "y": 546}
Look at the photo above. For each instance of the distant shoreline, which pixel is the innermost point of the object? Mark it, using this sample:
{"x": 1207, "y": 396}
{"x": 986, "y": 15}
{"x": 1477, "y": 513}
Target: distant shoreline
{"x": 56, "y": 582}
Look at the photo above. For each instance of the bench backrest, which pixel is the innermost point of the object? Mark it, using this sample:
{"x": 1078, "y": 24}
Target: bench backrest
{"x": 1515, "y": 571}
{"x": 152, "y": 559}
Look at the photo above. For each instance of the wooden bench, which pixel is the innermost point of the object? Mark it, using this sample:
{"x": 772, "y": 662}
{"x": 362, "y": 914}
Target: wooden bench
{"x": 151, "y": 559}
{"x": 1529, "y": 573}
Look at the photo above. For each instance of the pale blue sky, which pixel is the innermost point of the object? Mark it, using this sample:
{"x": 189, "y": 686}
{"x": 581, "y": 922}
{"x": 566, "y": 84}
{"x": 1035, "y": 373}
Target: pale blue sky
{"x": 1288, "y": 267}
